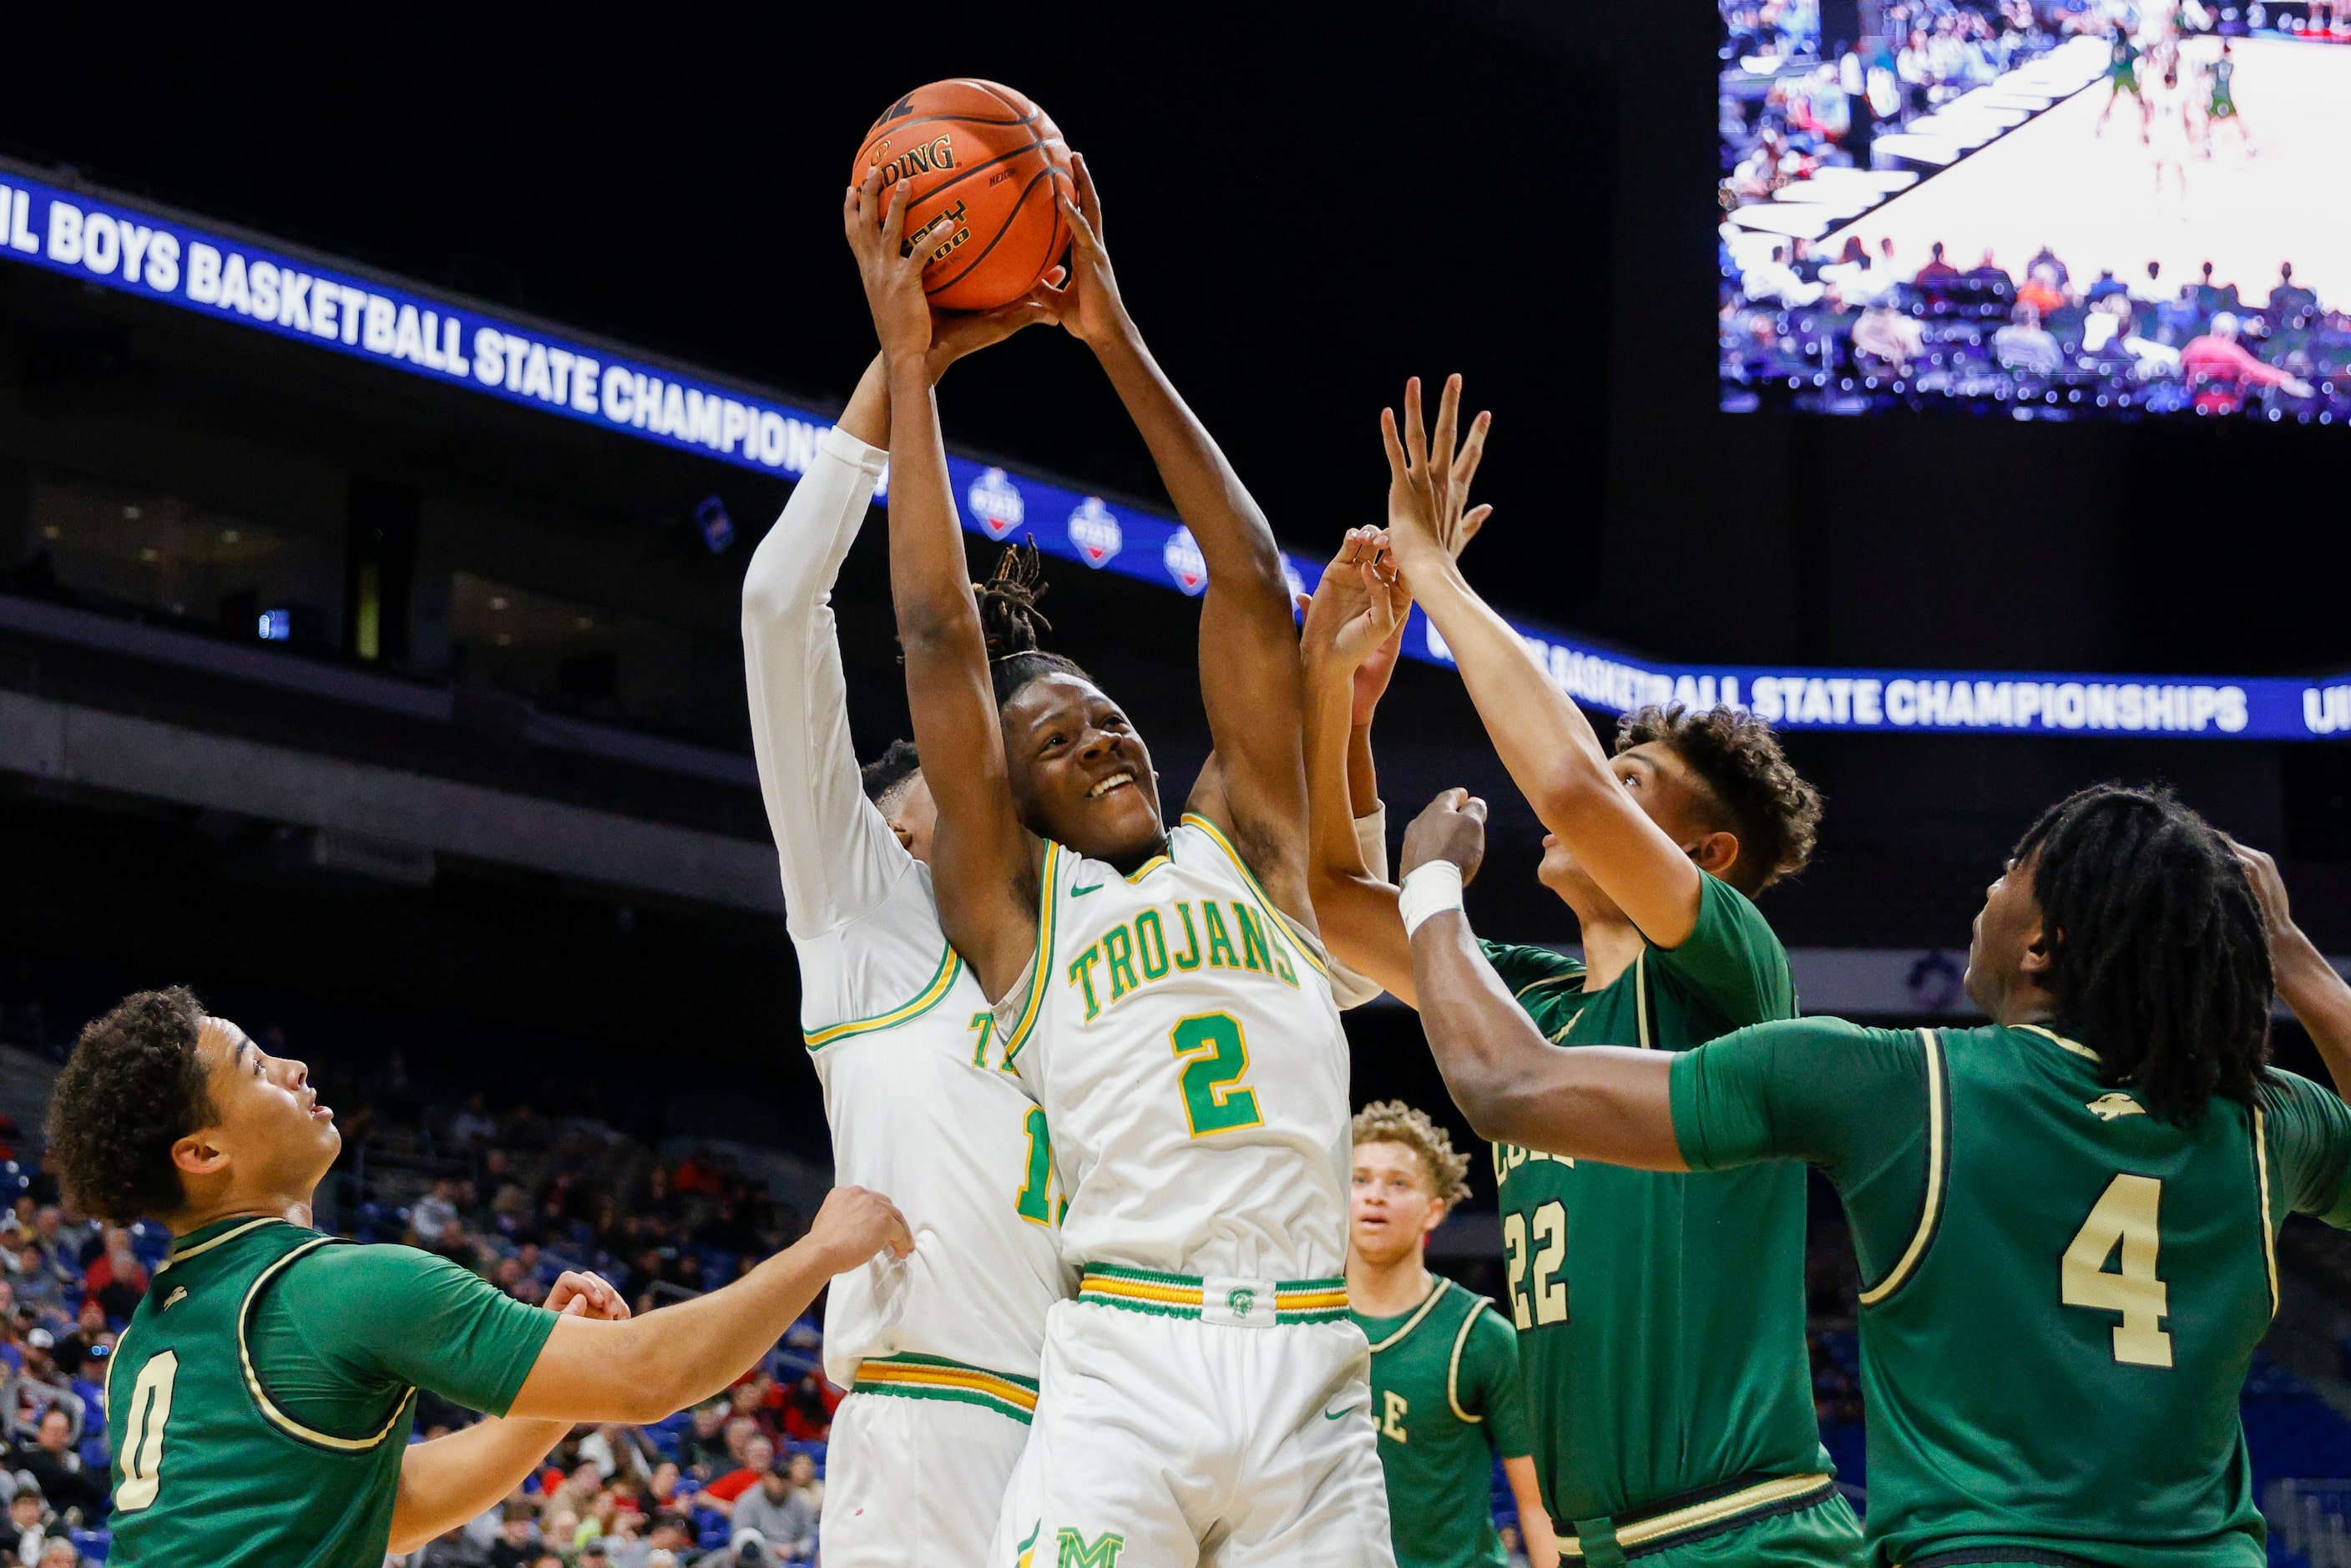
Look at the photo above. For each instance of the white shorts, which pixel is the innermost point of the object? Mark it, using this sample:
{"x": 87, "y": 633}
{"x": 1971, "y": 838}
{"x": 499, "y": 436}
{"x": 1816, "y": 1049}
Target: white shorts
{"x": 913, "y": 1480}
{"x": 1165, "y": 1442}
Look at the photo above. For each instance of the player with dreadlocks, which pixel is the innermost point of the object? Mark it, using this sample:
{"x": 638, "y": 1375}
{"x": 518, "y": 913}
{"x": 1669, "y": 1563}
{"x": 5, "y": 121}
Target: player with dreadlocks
{"x": 1163, "y": 989}
{"x": 2065, "y": 1219}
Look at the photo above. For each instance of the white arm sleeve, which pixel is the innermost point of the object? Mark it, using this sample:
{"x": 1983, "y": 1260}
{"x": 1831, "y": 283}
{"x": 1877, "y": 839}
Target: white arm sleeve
{"x": 840, "y": 858}
{"x": 1347, "y": 987}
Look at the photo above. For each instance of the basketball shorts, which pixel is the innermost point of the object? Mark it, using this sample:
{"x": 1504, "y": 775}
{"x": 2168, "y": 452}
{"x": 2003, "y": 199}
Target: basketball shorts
{"x": 1169, "y": 1432}
{"x": 917, "y": 1479}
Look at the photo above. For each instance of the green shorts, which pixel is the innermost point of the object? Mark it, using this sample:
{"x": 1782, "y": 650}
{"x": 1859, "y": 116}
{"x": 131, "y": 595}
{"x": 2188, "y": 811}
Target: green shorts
{"x": 1825, "y": 1535}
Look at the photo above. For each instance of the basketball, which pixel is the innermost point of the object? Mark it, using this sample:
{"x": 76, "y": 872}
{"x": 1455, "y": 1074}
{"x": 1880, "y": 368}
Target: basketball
{"x": 984, "y": 161}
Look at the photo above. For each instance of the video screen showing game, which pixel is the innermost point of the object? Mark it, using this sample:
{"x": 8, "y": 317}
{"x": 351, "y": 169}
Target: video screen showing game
{"x": 2052, "y": 209}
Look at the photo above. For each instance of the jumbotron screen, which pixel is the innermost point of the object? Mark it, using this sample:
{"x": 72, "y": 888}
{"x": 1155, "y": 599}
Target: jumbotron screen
{"x": 2037, "y": 209}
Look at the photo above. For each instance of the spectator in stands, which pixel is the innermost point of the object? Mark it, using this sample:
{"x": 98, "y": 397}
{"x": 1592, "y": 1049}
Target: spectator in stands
{"x": 2289, "y": 299}
{"x": 759, "y": 1453}
{"x": 2046, "y": 260}
{"x": 2041, "y": 289}
{"x": 65, "y": 1481}
{"x": 2153, "y": 290}
{"x": 1936, "y": 269}
{"x": 2025, "y": 346}
{"x": 517, "y": 1542}
{"x": 1776, "y": 280}
{"x": 117, "y": 1280}
{"x": 473, "y": 1127}
{"x": 434, "y": 1213}
{"x": 2218, "y": 357}
{"x": 12, "y": 1341}
{"x": 2104, "y": 288}
{"x": 1514, "y": 1551}
{"x": 1989, "y": 274}
{"x": 1888, "y": 335}
{"x": 776, "y": 1513}
{"x": 809, "y": 1408}
{"x": 28, "y": 1526}
{"x": 2211, "y": 299}
{"x": 704, "y": 1447}
{"x": 668, "y": 1537}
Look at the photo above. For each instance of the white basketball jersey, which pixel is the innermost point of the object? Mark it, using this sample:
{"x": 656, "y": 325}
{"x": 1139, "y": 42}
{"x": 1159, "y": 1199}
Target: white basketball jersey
{"x": 1183, "y": 1041}
{"x": 925, "y": 1112}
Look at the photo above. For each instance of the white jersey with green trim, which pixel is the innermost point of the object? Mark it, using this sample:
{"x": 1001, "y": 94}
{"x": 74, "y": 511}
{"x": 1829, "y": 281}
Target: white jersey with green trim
{"x": 921, "y": 1106}
{"x": 1181, "y": 1038}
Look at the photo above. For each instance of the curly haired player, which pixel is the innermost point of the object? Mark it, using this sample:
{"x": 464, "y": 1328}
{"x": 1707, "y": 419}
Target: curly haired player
{"x": 262, "y": 1395}
{"x": 1445, "y": 1365}
{"x": 1661, "y": 1317}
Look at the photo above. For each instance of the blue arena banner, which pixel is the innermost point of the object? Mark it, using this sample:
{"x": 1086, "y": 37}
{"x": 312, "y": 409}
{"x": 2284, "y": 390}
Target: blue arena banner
{"x": 140, "y": 249}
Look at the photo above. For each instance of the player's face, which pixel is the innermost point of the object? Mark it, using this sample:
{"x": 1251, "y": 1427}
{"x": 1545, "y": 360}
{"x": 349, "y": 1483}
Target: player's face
{"x": 1079, "y": 774}
{"x": 2007, "y": 945}
{"x": 278, "y": 1137}
{"x": 1663, "y": 786}
{"x": 915, "y": 816}
{"x": 1391, "y": 1207}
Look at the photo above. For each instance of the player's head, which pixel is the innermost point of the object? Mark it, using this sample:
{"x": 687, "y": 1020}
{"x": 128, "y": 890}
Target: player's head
{"x": 2125, "y": 919}
{"x": 1408, "y": 1178}
{"x": 894, "y": 783}
{"x": 166, "y": 1112}
{"x": 1715, "y": 781}
{"x": 1079, "y": 774}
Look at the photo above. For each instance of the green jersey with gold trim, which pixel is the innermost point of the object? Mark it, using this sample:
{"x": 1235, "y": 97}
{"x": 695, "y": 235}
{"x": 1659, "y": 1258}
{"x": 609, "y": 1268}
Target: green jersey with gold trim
{"x": 1661, "y": 1316}
{"x": 1445, "y": 1397}
{"x": 262, "y": 1395}
{"x": 2062, "y": 1291}
{"x": 1181, "y": 1036}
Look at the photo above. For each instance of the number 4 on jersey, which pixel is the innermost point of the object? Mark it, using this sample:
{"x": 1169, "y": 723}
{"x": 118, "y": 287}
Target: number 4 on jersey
{"x": 2126, "y": 1213}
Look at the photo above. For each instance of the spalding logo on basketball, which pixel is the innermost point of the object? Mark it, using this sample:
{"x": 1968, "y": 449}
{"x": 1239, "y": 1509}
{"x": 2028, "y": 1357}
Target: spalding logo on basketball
{"x": 984, "y": 163}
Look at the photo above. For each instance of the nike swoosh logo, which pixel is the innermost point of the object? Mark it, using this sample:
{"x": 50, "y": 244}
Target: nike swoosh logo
{"x": 1334, "y": 1414}
{"x": 1081, "y": 891}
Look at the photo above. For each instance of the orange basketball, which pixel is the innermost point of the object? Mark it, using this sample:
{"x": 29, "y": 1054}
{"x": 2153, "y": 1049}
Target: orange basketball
{"x": 984, "y": 161}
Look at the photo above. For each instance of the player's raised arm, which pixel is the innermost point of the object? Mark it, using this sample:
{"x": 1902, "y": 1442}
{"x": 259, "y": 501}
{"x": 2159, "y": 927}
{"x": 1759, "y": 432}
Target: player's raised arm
{"x": 1550, "y": 747}
{"x": 2306, "y": 982}
{"x": 1598, "y": 1102}
{"x": 1248, "y": 639}
{"x": 982, "y": 859}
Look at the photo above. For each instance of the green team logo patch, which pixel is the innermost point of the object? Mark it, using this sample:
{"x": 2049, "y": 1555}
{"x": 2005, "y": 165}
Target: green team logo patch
{"x": 2106, "y": 1107}
{"x": 1077, "y": 1552}
{"x": 1240, "y": 1299}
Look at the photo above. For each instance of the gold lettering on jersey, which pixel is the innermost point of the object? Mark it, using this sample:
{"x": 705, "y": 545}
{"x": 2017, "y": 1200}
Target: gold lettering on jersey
{"x": 1392, "y": 1411}
{"x": 1136, "y": 953}
{"x": 2106, "y": 1107}
{"x": 1509, "y": 1157}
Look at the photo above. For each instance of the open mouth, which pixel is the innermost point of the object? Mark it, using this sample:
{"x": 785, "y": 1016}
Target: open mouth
{"x": 1115, "y": 782}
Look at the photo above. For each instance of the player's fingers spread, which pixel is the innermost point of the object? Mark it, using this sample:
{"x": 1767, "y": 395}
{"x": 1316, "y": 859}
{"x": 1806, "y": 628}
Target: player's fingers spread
{"x": 1394, "y": 447}
{"x": 1473, "y": 450}
{"x": 1449, "y": 414}
{"x": 1416, "y": 433}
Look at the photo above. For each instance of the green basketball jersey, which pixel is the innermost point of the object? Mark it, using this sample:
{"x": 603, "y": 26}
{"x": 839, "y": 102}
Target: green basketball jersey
{"x": 1661, "y": 1317}
{"x": 2064, "y": 1292}
{"x": 253, "y": 1424}
{"x": 1447, "y": 1399}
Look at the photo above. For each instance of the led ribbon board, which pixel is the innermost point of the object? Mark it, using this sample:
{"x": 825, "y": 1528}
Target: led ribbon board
{"x": 141, "y": 249}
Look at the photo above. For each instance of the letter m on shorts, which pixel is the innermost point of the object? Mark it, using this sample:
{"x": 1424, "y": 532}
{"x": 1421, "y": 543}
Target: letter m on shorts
{"x": 1076, "y": 1552}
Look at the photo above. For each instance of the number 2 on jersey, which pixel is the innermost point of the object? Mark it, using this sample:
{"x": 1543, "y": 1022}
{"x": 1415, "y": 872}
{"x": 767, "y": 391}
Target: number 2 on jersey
{"x": 2126, "y": 1213}
{"x": 143, "y": 1433}
{"x": 1216, "y": 1057}
{"x": 1547, "y": 1302}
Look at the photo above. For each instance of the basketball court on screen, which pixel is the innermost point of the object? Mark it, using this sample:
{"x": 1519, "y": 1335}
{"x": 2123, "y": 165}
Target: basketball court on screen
{"x": 2092, "y": 200}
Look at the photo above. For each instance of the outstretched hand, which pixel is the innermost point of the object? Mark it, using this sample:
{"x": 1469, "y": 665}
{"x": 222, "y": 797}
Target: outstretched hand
{"x": 892, "y": 270}
{"x": 1428, "y": 475}
{"x": 1088, "y": 305}
{"x": 1358, "y": 607}
{"x": 1451, "y": 828}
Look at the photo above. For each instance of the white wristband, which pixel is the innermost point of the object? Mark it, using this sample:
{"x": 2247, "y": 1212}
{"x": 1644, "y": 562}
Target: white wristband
{"x": 1429, "y": 888}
